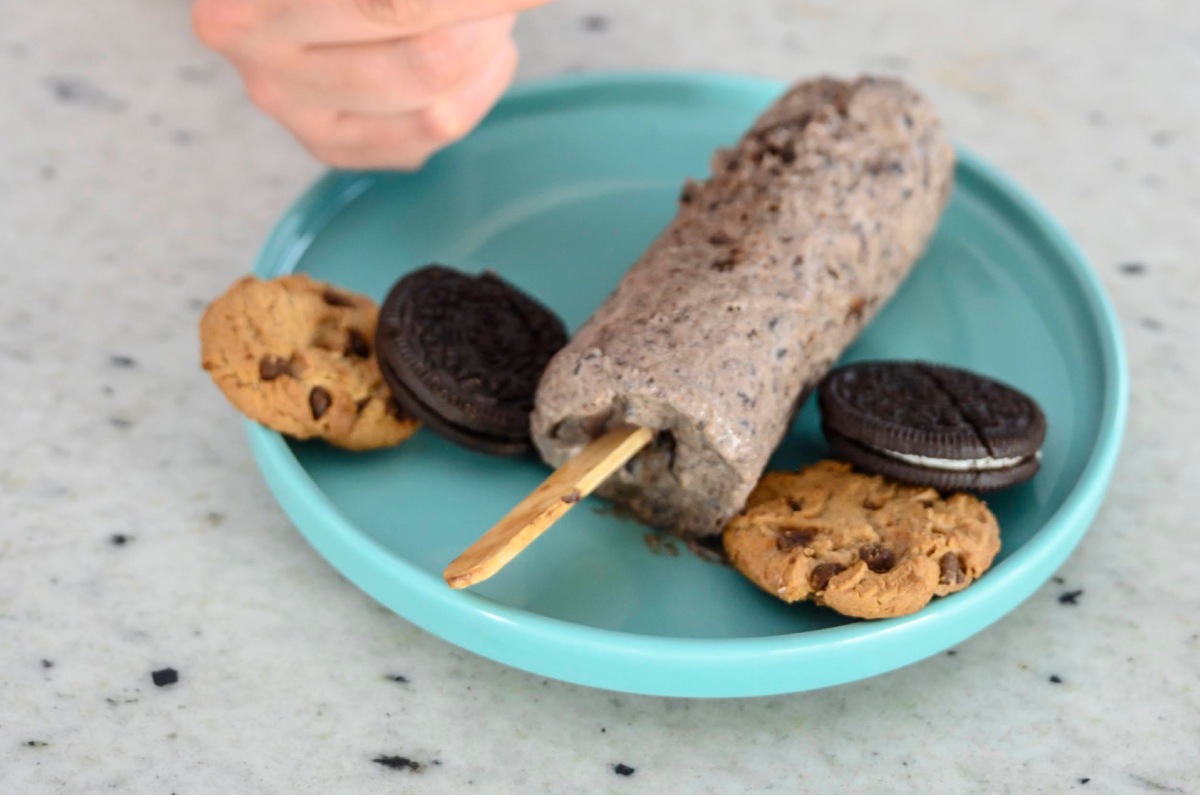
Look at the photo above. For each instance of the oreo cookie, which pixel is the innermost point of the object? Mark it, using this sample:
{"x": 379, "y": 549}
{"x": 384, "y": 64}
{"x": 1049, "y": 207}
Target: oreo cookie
{"x": 464, "y": 354}
{"x": 931, "y": 425}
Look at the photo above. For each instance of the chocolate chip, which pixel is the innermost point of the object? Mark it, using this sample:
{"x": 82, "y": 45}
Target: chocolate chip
{"x": 795, "y": 503}
{"x": 357, "y": 345}
{"x": 119, "y": 539}
{"x": 720, "y": 239}
{"x": 334, "y": 298}
{"x": 319, "y": 400}
{"x": 1084, "y": 780}
{"x": 623, "y": 770}
{"x": 819, "y": 578}
{"x": 794, "y": 537}
{"x": 572, "y": 497}
{"x": 398, "y": 678}
{"x": 841, "y": 96}
{"x": 952, "y": 569}
{"x": 1055, "y": 679}
{"x": 879, "y": 167}
{"x": 47, "y": 663}
{"x": 272, "y": 367}
{"x": 660, "y": 545}
{"x": 878, "y": 558}
{"x": 708, "y": 549}
{"x": 165, "y": 676}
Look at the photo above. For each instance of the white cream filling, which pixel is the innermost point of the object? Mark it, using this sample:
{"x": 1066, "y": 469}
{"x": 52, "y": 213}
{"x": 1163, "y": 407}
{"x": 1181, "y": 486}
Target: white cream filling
{"x": 985, "y": 464}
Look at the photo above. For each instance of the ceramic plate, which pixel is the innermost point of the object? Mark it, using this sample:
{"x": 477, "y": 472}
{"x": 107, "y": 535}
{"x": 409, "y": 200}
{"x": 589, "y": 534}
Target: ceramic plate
{"x": 560, "y": 190}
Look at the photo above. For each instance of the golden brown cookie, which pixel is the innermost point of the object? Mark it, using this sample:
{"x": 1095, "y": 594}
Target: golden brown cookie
{"x": 859, "y": 544}
{"x": 295, "y": 354}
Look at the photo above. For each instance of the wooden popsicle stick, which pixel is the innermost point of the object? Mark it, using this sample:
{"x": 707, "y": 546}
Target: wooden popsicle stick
{"x": 556, "y": 495}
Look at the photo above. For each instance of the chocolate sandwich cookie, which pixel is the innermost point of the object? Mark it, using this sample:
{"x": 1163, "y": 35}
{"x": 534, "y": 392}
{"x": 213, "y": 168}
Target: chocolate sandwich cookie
{"x": 464, "y": 354}
{"x": 932, "y": 425}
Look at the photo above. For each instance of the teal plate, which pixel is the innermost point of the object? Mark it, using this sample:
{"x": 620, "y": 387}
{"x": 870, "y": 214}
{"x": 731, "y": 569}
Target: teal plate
{"x": 561, "y": 189}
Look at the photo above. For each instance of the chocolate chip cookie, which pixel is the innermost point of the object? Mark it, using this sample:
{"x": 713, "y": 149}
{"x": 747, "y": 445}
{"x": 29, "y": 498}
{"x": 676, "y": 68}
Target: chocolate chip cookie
{"x": 296, "y": 355}
{"x": 859, "y": 544}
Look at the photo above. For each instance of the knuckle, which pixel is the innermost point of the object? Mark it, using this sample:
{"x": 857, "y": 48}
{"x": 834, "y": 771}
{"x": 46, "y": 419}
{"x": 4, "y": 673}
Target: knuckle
{"x": 313, "y": 131}
{"x": 266, "y": 93}
{"x": 220, "y": 24}
{"x": 410, "y": 16}
{"x": 440, "y": 123}
{"x": 434, "y": 60}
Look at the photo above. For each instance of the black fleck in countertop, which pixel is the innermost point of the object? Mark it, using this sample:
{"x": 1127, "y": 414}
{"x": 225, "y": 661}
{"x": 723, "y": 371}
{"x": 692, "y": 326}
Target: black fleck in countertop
{"x": 163, "y": 628}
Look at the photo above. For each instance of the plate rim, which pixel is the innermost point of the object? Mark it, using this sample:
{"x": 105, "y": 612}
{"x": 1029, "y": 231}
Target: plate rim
{"x": 694, "y": 667}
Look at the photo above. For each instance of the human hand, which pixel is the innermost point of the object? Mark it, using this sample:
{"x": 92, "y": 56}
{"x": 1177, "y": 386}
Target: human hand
{"x": 368, "y": 83}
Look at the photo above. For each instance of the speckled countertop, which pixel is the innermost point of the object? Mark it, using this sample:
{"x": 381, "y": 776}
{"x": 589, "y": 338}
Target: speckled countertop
{"x": 136, "y": 535}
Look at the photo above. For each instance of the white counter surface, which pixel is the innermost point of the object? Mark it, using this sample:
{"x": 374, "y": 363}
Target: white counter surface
{"x": 136, "y": 535}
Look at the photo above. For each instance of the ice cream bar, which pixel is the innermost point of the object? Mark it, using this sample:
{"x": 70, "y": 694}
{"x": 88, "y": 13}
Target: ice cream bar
{"x": 769, "y": 270}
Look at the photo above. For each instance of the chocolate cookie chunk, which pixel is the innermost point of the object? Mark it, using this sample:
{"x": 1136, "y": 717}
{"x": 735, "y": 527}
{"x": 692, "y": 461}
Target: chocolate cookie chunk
{"x": 465, "y": 353}
{"x": 295, "y": 354}
{"x": 859, "y": 544}
{"x": 932, "y": 425}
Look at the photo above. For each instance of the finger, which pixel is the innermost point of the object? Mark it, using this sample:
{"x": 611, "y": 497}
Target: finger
{"x": 406, "y": 141}
{"x": 387, "y": 78}
{"x": 347, "y": 21}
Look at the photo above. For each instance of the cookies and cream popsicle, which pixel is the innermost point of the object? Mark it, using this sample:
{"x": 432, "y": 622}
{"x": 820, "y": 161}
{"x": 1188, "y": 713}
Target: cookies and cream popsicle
{"x": 769, "y": 270}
